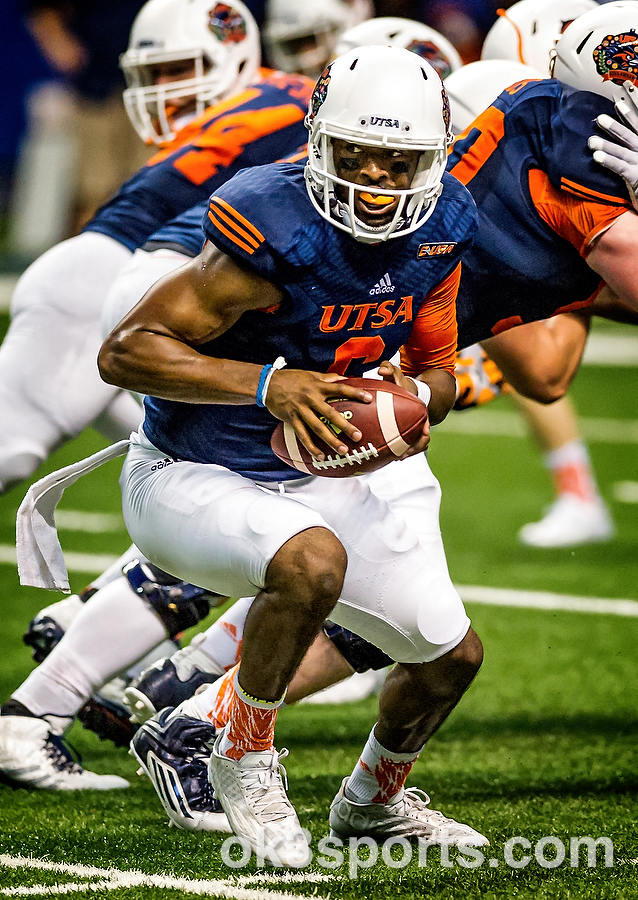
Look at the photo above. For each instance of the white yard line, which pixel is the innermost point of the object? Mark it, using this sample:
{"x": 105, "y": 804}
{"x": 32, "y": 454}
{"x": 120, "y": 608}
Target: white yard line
{"x": 625, "y": 491}
{"x": 115, "y": 879}
{"x": 546, "y": 600}
{"x": 501, "y": 423}
{"x": 611, "y": 350}
{"x": 90, "y": 522}
{"x": 93, "y": 563}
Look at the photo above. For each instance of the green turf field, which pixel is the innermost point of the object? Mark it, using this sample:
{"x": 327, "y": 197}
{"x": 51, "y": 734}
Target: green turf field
{"x": 543, "y": 746}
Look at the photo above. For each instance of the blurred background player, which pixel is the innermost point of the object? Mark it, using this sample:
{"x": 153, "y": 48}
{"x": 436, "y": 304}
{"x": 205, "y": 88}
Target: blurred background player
{"x": 44, "y": 400}
{"x": 301, "y": 35}
{"x": 526, "y": 33}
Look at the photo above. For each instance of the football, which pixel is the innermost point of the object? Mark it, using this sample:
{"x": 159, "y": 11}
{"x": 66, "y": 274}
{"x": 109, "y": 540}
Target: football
{"x": 391, "y": 423}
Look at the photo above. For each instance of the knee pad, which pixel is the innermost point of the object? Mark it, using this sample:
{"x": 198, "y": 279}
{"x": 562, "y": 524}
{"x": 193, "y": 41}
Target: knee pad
{"x": 361, "y": 654}
{"x": 178, "y": 604}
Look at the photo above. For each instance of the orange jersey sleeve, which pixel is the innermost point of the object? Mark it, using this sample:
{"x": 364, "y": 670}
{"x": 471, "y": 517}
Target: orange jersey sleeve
{"x": 432, "y": 343}
{"x": 576, "y": 213}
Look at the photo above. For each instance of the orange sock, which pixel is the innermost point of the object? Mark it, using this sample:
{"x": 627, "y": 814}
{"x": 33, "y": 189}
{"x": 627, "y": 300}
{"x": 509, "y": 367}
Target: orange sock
{"x": 379, "y": 774}
{"x": 572, "y": 471}
{"x": 220, "y": 712}
{"x": 251, "y": 722}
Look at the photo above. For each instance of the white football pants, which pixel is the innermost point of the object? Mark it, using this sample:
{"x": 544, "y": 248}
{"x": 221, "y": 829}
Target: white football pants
{"x": 50, "y": 387}
{"x": 216, "y": 529}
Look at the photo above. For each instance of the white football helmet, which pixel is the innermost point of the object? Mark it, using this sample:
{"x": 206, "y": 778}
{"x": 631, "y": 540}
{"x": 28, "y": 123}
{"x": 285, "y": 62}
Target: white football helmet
{"x": 528, "y": 30}
{"x": 599, "y": 52}
{"x": 300, "y": 35}
{"x": 382, "y": 97}
{"x": 220, "y": 39}
{"x": 391, "y": 31}
{"x": 475, "y": 86}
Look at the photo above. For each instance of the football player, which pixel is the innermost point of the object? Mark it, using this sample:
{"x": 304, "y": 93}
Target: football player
{"x": 376, "y": 192}
{"x": 49, "y": 384}
{"x": 528, "y": 31}
{"x": 301, "y": 36}
{"x": 144, "y": 595}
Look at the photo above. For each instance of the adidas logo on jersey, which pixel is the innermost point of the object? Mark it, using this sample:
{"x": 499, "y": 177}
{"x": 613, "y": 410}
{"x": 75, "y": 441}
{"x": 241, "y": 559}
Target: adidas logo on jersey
{"x": 383, "y": 286}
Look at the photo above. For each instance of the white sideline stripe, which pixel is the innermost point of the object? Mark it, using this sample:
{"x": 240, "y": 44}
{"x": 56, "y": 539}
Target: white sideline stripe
{"x": 90, "y": 522}
{"x": 7, "y": 284}
{"x": 75, "y": 562}
{"x": 625, "y": 491}
{"x": 486, "y": 421}
{"x": 87, "y": 562}
{"x": 611, "y": 350}
{"x": 115, "y": 879}
{"x": 546, "y": 600}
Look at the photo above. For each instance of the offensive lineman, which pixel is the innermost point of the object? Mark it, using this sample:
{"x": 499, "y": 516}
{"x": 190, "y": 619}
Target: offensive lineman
{"x": 49, "y": 384}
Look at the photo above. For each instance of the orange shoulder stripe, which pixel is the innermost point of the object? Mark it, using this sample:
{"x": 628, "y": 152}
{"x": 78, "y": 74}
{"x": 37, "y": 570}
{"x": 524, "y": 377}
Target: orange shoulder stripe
{"x": 229, "y": 234}
{"x": 233, "y": 212}
{"x": 590, "y": 194}
{"x": 577, "y": 219}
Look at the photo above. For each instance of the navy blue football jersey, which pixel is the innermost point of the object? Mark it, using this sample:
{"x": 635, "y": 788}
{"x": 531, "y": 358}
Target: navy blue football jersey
{"x": 347, "y": 306}
{"x": 262, "y": 124}
{"x": 541, "y": 201}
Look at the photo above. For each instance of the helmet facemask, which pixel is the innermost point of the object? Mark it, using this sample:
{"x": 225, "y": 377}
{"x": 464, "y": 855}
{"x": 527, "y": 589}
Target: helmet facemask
{"x": 157, "y": 111}
{"x": 427, "y": 131}
{"x": 214, "y": 49}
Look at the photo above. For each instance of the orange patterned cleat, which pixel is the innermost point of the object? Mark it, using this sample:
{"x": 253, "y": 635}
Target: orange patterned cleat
{"x": 478, "y": 379}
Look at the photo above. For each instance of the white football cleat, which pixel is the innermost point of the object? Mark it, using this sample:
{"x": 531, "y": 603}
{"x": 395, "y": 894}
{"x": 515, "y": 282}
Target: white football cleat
{"x": 31, "y": 756}
{"x": 409, "y": 816}
{"x": 253, "y": 796}
{"x": 570, "y": 521}
{"x": 359, "y": 686}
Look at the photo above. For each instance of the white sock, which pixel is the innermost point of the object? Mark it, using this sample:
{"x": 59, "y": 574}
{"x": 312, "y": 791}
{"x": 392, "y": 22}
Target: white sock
{"x": 222, "y": 641}
{"x": 113, "y": 631}
{"x": 379, "y": 774}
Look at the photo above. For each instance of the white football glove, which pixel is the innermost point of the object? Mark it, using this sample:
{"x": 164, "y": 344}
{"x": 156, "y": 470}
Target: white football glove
{"x": 621, "y": 157}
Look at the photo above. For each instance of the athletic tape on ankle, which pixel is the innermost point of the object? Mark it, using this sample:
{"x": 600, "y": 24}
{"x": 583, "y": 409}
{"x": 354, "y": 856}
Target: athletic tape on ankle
{"x": 256, "y": 701}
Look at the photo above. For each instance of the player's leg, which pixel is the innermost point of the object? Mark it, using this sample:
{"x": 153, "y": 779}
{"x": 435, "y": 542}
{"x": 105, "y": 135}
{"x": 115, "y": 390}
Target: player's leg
{"x": 50, "y": 388}
{"x": 134, "y": 280}
{"x": 211, "y": 653}
{"x": 578, "y": 515}
{"x": 118, "y": 625}
{"x": 412, "y": 612}
{"x": 281, "y": 551}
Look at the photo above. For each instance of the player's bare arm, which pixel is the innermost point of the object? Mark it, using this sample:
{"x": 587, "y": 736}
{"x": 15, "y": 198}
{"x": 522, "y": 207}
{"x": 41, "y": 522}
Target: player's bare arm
{"x": 154, "y": 350}
{"x": 613, "y": 256}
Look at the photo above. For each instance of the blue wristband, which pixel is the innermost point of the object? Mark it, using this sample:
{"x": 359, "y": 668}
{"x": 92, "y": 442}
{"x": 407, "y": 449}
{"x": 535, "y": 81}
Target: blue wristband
{"x": 262, "y": 383}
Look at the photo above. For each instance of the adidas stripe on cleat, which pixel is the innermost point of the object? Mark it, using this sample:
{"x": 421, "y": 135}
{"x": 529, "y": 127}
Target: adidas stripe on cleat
{"x": 173, "y": 750}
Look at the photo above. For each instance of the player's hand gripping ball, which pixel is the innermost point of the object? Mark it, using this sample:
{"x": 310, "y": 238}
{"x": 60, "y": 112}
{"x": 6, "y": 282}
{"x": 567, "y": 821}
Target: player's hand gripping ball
{"x": 389, "y": 425}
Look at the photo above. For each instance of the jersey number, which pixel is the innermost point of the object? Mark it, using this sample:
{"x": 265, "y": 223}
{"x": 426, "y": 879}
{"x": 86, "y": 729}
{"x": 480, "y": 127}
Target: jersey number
{"x": 369, "y": 349}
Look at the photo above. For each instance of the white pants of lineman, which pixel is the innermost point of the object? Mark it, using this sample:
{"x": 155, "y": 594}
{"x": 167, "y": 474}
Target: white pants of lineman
{"x": 50, "y": 387}
{"x": 217, "y": 529}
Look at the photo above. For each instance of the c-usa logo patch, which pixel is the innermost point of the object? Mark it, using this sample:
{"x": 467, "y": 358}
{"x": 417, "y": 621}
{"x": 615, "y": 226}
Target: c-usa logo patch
{"x": 616, "y": 58}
